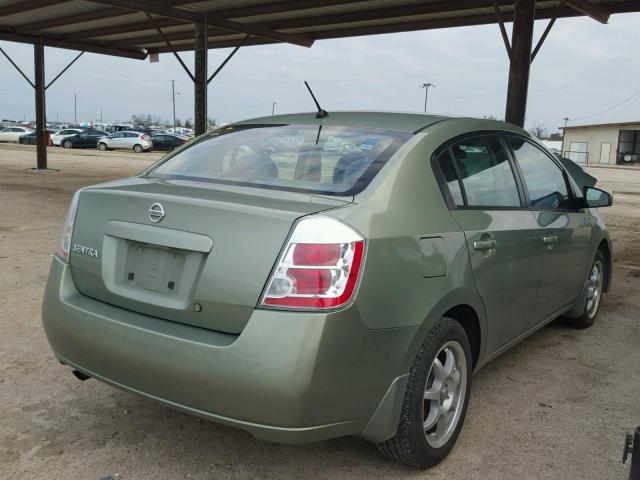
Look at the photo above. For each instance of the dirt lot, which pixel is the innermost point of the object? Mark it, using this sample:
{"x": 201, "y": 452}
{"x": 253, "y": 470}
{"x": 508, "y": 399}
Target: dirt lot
{"x": 555, "y": 407}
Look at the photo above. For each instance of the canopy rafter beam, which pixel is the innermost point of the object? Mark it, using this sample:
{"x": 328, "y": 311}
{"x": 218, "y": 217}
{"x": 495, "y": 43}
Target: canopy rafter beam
{"x": 168, "y": 42}
{"x": 15, "y": 65}
{"x": 64, "y": 70}
{"x": 226, "y": 60}
{"x": 210, "y": 18}
{"x": 589, "y": 9}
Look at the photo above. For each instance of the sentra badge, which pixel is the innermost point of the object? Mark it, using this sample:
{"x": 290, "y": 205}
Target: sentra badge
{"x": 90, "y": 252}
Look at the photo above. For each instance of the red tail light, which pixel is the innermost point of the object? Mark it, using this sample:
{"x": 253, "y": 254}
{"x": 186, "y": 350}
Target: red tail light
{"x": 319, "y": 268}
{"x": 316, "y": 254}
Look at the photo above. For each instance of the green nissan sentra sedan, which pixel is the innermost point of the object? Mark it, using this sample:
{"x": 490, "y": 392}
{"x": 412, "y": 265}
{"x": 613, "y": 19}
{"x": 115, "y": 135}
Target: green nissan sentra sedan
{"x": 305, "y": 278}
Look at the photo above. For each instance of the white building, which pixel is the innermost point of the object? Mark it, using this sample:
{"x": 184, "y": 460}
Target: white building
{"x": 606, "y": 143}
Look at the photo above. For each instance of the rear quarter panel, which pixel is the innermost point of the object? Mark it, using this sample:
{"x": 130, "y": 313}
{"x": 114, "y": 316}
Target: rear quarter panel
{"x": 402, "y": 205}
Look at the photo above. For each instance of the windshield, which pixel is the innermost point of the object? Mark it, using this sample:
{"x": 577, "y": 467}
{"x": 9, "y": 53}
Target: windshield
{"x": 332, "y": 160}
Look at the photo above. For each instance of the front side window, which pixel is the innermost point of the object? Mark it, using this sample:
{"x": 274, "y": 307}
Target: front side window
{"x": 482, "y": 165}
{"x": 544, "y": 179}
{"x": 333, "y": 160}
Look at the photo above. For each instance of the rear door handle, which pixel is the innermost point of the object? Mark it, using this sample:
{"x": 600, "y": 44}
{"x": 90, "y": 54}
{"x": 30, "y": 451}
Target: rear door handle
{"x": 549, "y": 239}
{"x": 484, "y": 244}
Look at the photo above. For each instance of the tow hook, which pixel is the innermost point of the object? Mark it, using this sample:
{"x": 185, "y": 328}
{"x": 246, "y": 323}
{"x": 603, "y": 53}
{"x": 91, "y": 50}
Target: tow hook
{"x": 632, "y": 448}
{"x": 80, "y": 376}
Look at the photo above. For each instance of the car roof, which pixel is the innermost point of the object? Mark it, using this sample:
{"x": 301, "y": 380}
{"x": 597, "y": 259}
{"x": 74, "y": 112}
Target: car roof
{"x": 399, "y": 121}
{"x": 406, "y": 122}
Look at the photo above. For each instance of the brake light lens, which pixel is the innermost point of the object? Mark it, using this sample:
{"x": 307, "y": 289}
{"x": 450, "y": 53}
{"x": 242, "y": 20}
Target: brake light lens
{"x": 319, "y": 268}
{"x": 67, "y": 230}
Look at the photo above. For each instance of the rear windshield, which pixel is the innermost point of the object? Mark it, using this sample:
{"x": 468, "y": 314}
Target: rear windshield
{"x": 331, "y": 160}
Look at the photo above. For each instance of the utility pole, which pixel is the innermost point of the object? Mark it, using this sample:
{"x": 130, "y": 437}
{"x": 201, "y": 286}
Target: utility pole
{"x": 566, "y": 119}
{"x": 426, "y": 93}
{"x": 75, "y": 108}
{"x": 273, "y": 108}
{"x": 100, "y": 115}
{"x": 173, "y": 99}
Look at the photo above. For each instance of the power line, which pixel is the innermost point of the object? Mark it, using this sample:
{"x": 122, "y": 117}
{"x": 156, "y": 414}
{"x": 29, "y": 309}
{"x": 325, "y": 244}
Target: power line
{"x": 637, "y": 93}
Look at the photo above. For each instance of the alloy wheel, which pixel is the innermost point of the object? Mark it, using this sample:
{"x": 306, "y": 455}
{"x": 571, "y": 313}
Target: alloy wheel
{"x": 594, "y": 288}
{"x": 444, "y": 394}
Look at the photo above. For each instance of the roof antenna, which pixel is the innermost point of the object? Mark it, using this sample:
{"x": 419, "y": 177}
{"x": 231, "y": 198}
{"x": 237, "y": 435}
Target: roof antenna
{"x": 321, "y": 112}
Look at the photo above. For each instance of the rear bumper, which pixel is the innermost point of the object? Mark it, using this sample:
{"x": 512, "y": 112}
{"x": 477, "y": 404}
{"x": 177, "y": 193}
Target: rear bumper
{"x": 288, "y": 377}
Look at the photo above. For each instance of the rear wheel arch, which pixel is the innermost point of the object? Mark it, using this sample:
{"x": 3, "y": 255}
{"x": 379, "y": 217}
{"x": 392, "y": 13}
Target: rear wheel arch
{"x": 463, "y": 307}
{"x": 604, "y": 247}
{"x": 466, "y": 316}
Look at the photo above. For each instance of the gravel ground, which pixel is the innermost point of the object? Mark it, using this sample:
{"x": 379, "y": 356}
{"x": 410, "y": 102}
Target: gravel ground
{"x": 554, "y": 407}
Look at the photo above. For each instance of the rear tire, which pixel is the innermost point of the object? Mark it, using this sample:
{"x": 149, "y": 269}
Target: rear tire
{"x": 595, "y": 284}
{"x": 138, "y": 148}
{"x": 67, "y": 144}
{"x": 436, "y": 399}
{"x": 102, "y": 147}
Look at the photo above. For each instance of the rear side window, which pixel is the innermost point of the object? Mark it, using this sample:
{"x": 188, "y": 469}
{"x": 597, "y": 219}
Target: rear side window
{"x": 332, "y": 160}
{"x": 544, "y": 179}
{"x": 482, "y": 165}
{"x": 450, "y": 176}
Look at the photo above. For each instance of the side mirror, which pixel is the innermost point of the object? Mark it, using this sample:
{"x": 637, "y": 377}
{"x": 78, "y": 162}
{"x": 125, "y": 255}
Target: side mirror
{"x": 594, "y": 198}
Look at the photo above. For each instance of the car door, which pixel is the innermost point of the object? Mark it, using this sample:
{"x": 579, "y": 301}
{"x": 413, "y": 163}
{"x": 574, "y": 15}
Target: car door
{"x": 18, "y": 133}
{"x": 501, "y": 232}
{"x": 159, "y": 142}
{"x": 565, "y": 230}
{"x": 90, "y": 139}
{"x": 115, "y": 140}
{"x": 123, "y": 141}
{"x": 80, "y": 140}
{"x": 129, "y": 140}
{"x": 15, "y": 134}
{"x": 5, "y": 134}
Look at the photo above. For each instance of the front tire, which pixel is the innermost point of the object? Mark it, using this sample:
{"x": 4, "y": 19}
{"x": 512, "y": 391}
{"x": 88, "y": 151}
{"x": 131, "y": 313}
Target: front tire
{"x": 436, "y": 399}
{"x": 67, "y": 144}
{"x": 595, "y": 286}
{"x": 102, "y": 147}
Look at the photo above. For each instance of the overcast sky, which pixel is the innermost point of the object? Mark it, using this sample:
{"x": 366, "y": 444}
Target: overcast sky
{"x": 584, "y": 68}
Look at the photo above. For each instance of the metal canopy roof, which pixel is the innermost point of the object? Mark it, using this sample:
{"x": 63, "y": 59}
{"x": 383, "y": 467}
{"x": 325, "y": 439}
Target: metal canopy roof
{"x": 129, "y": 28}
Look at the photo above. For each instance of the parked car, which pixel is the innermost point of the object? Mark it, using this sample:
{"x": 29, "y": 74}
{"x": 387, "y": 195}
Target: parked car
{"x": 167, "y": 142}
{"x": 57, "y": 137}
{"x": 136, "y": 141}
{"x": 83, "y": 139}
{"x": 307, "y": 299}
{"x": 30, "y": 139}
{"x": 12, "y": 134}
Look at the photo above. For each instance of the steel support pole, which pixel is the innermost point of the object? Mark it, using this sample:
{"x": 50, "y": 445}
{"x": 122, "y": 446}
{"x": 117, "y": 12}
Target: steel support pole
{"x": 634, "y": 473}
{"x": 520, "y": 61}
{"x": 200, "y": 79}
{"x": 41, "y": 123}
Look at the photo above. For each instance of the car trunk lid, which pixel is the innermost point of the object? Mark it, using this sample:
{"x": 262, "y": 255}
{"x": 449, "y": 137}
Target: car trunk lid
{"x": 204, "y": 263}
